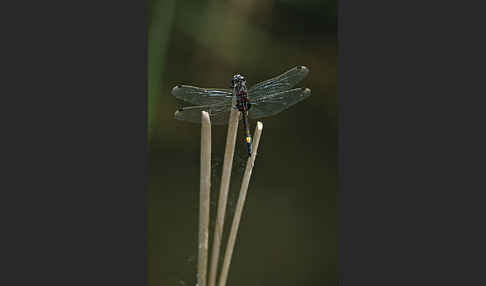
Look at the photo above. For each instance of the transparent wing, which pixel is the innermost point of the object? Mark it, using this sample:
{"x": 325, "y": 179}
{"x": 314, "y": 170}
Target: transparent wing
{"x": 280, "y": 83}
{"x": 202, "y": 96}
{"x": 218, "y": 113}
{"x": 278, "y": 102}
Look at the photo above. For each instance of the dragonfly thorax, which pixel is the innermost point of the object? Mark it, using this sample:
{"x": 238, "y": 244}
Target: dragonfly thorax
{"x": 238, "y": 82}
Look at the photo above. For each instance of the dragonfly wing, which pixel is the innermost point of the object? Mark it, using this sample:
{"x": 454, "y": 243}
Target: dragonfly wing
{"x": 280, "y": 83}
{"x": 202, "y": 96}
{"x": 278, "y": 102}
{"x": 218, "y": 113}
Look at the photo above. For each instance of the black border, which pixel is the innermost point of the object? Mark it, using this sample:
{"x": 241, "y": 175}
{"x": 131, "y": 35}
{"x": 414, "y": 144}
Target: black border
{"x": 76, "y": 145}
{"x": 408, "y": 89}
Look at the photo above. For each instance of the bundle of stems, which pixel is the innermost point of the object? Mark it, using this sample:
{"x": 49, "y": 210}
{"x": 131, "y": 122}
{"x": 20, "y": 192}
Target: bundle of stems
{"x": 205, "y": 186}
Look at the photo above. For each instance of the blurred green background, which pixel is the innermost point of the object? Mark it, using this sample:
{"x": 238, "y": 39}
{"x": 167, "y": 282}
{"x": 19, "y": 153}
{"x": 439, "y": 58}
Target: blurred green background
{"x": 289, "y": 231}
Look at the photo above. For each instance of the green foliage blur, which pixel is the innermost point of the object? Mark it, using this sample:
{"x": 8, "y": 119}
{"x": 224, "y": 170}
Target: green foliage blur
{"x": 288, "y": 235}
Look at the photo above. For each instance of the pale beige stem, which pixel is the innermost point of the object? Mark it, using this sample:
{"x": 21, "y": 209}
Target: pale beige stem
{"x": 223, "y": 193}
{"x": 204, "y": 199}
{"x": 239, "y": 207}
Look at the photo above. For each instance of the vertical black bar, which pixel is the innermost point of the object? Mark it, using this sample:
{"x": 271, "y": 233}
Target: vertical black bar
{"x": 411, "y": 155}
{"x": 75, "y": 166}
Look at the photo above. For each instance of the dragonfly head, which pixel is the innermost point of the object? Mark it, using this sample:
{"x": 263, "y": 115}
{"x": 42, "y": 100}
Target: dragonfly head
{"x": 238, "y": 82}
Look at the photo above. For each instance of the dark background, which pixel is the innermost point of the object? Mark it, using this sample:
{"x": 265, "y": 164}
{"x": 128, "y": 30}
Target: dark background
{"x": 289, "y": 231}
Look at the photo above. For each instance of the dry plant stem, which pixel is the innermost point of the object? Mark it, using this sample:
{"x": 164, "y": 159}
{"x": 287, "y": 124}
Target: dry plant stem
{"x": 239, "y": 207}
{"x": 223, "y": 193}
{"x": 204, "y": 199}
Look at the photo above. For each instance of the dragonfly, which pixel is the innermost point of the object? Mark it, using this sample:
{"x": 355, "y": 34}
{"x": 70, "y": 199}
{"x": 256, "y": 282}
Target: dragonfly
{"x": 261, "y": 100}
